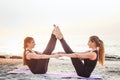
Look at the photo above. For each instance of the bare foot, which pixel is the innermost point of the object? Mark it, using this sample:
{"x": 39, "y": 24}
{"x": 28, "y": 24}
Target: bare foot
{"x": 58, "y": 33}
{"x": 55, "y": 30}
{"x": 54, "y": 25}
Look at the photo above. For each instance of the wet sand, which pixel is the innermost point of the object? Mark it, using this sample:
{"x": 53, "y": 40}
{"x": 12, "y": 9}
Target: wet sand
{"x": 111, "y": 70}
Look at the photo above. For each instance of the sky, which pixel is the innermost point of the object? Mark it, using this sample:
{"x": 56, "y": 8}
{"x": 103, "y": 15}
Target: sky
{"x": 74, "y": 17}
{"x": 21, "y": 18}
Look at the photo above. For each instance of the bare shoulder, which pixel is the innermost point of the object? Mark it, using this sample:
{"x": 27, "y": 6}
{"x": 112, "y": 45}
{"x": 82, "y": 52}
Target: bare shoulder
{"x": 29, "y": 55}
{"x": 93, "y": 55}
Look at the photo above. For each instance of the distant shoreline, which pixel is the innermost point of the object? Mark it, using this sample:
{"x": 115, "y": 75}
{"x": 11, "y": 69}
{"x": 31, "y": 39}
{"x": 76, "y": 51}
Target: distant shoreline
{"x": 107, "y": 57}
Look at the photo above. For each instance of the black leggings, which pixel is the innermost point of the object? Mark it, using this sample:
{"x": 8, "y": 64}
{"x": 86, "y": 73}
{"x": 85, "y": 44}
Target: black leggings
{"x": 77, "y": 63}
{"x": 42, "y": 64}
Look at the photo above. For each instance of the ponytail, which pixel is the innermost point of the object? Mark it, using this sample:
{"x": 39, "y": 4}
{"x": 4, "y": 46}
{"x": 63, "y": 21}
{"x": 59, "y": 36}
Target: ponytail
{"x": 26, "y": 40}
{"x": 24, "y": 62}
{"x": 101, "y": 55}
{"x": 100, "y": 45}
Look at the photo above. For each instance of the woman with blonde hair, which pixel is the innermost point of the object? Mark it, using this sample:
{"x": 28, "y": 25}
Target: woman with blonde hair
{"x": 90, "y": 57}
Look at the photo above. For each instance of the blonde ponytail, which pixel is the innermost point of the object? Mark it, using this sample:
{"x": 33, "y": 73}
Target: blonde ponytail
{"x": 101, "y": 56}
{"x": 100, "y": 47}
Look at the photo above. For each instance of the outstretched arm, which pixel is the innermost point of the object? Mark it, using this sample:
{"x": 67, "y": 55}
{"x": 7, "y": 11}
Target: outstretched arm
{"x": 84, "y": 55}
{"x": 42, "y": 56}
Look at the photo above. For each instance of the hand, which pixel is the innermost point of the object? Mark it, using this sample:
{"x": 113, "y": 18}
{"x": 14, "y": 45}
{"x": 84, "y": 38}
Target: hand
{"x": 57, "y": 32}
{"x": 61, "y": 55}
{"x": 56, "y": 55}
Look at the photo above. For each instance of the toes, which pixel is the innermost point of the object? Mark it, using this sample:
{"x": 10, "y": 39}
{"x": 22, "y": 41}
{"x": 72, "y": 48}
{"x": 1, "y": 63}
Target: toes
{"x": 54, "y": 25}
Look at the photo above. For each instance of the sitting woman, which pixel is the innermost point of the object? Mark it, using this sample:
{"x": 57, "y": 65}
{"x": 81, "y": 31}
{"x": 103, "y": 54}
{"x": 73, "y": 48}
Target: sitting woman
{"x": 90, "y": 57}
{"x": 36, "y": 61}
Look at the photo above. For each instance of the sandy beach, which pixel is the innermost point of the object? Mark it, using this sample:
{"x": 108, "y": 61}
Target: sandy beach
{"x": 111, "y": 70}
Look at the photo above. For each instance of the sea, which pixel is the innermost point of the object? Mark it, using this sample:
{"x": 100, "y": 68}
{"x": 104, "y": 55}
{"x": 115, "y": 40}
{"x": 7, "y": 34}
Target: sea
{"x": 13, "y": 45}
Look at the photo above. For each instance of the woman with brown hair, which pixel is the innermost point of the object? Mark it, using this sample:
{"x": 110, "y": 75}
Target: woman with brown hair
{"x": 90, "y": 57}
{"x": 36, "y": 61}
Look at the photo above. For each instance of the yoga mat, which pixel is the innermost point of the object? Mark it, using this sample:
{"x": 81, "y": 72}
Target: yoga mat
{"x": 55, "y": 75}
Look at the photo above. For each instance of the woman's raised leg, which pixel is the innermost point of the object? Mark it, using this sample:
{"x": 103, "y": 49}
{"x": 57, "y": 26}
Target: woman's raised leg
{"x": 42, "y": 64}
{"x": 77, "y": 63}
